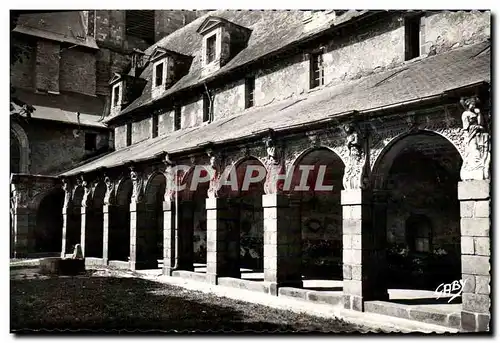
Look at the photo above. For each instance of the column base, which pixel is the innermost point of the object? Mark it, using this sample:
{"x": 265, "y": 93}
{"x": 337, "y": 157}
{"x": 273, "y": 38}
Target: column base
{"x": 475, "y": 322}
{"x": 138, "y": 265}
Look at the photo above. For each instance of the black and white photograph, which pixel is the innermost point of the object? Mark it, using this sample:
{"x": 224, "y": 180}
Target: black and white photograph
{"x": 250, "y": 171}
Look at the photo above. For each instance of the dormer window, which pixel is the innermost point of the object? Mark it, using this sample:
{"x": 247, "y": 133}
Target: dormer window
{"x": 222, "y": 40}
{"x": 117, "y": 98}
{"x": 167, "y": 67}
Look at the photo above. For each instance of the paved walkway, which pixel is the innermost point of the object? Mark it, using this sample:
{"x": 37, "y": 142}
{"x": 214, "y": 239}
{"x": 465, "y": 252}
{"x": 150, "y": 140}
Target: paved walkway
{"x": 371, "y": 320}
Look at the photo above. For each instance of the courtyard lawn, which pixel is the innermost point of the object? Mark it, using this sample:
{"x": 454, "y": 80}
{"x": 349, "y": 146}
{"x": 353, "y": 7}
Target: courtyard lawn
{"x": 112, "y": 303}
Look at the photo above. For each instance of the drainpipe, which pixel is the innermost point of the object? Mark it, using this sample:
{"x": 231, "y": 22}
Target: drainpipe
{"x": 210, "y": 107}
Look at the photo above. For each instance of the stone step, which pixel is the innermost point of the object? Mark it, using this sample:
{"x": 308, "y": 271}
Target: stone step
{"x": 321, "y": 297}
{"x": 255, "y": 286}
{"x": 200, "y": 277}
{"x": 119, "y": 264}
{"x": 93, "y": 262}
{"x": 422, "y": 314}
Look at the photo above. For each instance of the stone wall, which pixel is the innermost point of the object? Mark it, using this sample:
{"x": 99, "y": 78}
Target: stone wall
{"x": 229, "y": 100}
{"x": 55, "y": 148}
{"x": 451, "y": 29}
{"x": 78, "y": 71}
{"x": 120, "y": 138}
{"x": 141, "y": 130}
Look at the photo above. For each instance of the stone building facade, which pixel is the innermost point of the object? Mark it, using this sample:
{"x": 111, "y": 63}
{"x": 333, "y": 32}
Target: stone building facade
{"x": 391, "y": 108}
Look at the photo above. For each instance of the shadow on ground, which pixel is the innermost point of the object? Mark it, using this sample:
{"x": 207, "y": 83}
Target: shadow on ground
{"x": 109, "y": 303}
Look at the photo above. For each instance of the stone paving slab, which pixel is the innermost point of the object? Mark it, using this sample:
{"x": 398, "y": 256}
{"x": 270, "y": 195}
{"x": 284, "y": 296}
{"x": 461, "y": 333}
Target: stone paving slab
{"x": 254, "y": 286}
{"x": 431, "y": 314}
{"x": 371, "y": 320}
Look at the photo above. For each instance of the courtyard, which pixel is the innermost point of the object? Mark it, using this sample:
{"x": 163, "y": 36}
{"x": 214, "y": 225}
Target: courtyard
{"x": 95, "y": 301}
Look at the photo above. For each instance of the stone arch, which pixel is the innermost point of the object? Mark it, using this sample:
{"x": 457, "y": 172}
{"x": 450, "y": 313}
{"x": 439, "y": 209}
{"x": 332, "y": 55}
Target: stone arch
{"x": 292, "y": 168}
{"x": 24, "y": 146}
{"x": 152, "y": 230}
{"x": 155, "y": 183}
{"x": 235, "y": 168}
{"x": 123, "y": 191}
{"x": 392, "y": 148}
{"x": 47, "y": 235}
{"x": 94, "y": 228}
{"x": 416, "y": 176}
{"x": 320, "y": 211}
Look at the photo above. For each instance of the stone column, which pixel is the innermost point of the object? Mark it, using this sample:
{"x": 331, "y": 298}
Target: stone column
{"x": 360, "y": 254}
{"x": 184, "y": 234}
{"x": 282, "y": 241}
{"x": 24, "y": 222}
{"x": 169, "y": 238}
{"x": 86, "y": 222}
{"x": 109, "y": 214}
{"x": 474, "y": 196}
{"x": 139, "y": 250}
{"x": 222, "y": 254}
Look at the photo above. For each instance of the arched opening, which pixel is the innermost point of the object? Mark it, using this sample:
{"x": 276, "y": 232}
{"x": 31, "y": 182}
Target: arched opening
{"x": 150, "y": 247}
{"x": 418, "y": 175}
{"x": 15, "y": 154}
{"x": 192, "y": 221}
{"x": 94, "y": 224}
{"x": 320, "y": 213}
{"x": 49, "y": 224}
{"x": 74, "y": 223}
{"x": 19, "y": 149}
{"x": 119, "y": 227}
{"x": 246, "y": 237}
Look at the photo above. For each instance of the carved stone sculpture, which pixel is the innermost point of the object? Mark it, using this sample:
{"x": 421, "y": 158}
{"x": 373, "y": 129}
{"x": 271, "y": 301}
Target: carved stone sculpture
{"x": 353, "y": 173}
{"x": 67, "y": 192}
{"x": 476, "y": 138}
{"x": 215, "y": 171}
{"x": 137, "y": 185}
{"x": 87, "y": 190}
{"x": 274, "y": 168}
{"x": 170, "y": 187}
{"x": 108, "y": 196}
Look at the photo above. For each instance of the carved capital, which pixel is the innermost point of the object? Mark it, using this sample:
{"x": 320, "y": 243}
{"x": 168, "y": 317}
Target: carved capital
{"x": 68, "y": 192}
{"x": 19, "y": 196}
{"x": 170, "y": 175}
{"x": 87, "y": 191}
{"x": 137, "y": 185}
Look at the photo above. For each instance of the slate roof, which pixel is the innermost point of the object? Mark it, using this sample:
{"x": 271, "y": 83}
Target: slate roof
{"x": 61, "y": 116}
{"x": 59, "y": 26}
{"x": 271, "y": 31}
{"x": 413, "y": 81}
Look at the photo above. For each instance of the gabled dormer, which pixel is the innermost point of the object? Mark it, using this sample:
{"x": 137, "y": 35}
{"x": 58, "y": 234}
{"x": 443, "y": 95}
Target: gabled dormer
{"x": 167, "y": 68}
{"x": 124, "y": 89}
{"x": 116, "y": 83}
{"x": 222, "y": 40}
